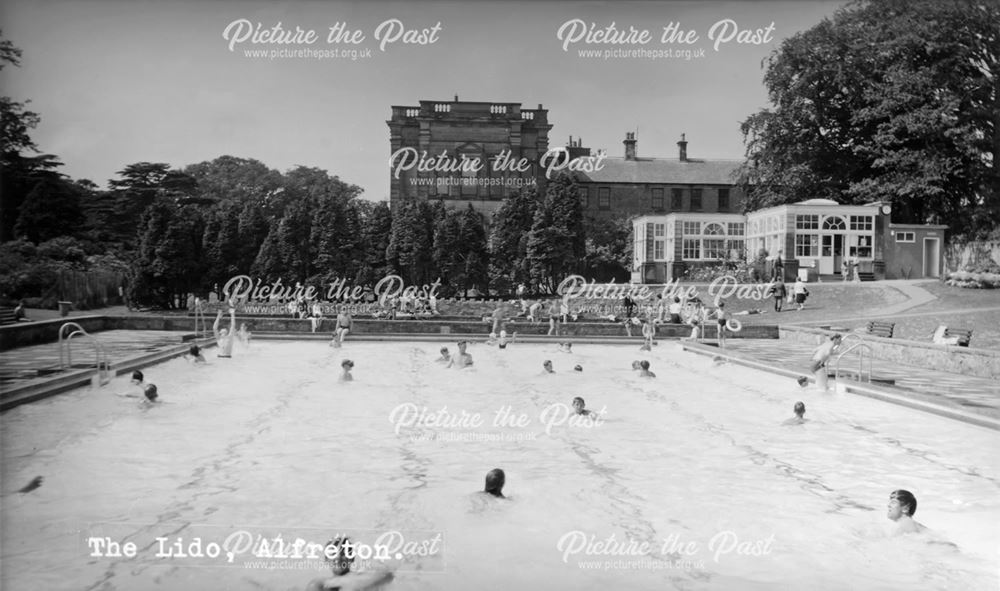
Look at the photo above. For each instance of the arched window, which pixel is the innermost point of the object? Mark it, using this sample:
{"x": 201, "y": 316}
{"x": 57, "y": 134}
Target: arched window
{"x": 834, "y": 223}
{"x": 714, "y": 230}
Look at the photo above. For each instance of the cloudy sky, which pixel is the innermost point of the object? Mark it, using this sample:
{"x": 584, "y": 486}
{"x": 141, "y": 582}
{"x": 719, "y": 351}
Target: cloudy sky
{"x": 117, "y": 82}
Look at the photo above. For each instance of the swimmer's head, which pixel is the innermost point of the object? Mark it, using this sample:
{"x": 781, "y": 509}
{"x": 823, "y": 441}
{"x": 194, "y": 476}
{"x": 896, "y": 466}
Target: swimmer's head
{"x": 503, "y": 334}
{"x": 336, "y": 553}
{"x": 578, "y": 368}
{"x": 444, "y": 351}
{"x": 905, "y": 501}
{"x": 800, "y": 409}
{"x": 137, "y": 376}
{"x": 578, "y": 404}
{"x": 462, "y": 345}
{"x": 195, "y": 350}
{"x": 722, "y": 304}
{"x": 636, "y": 364}
{"x": 495, "y": 480}
{"x": 223, "y": 332}
{"x": 150, "y": 392}
{"x": 547, "y": 364}
{"x": 347, "y": 364}
{"x": 493, "y": 335}
{"x": 677, "y": 300}
{"x": 803, "y": 381}
{"x": 644, "y": 364}
{"x": 836, "y": 338}
{"x": 694, "y": 323}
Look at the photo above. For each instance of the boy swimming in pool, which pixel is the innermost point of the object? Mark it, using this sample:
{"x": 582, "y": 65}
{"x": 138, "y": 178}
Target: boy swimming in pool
{"x": 347, "y": 365}
{"x": 463, "y": 359}
{"x": 644, "y": 370}
{"x": 799, "y": 418}
{"x": 579, "y": 407}
{"x": 223, "y": 337}
{"x": 547, "y": 366}
{"x": 194, "y": 355}
{"x": 149, "y": 391}
{"x": 445, "y": 356}
{"x": 902, "y": 506}
{"x": 495, "y": 479}
{"x": 340, "y": 553}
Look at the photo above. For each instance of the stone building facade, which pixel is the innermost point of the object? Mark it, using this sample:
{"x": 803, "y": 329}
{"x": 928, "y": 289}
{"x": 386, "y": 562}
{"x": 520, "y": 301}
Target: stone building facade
{"x": 442, "y": 140}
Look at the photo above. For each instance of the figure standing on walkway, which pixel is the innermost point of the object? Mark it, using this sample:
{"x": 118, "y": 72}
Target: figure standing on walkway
{"x": 779, "y": 292}
{"x": 800, "y": 292}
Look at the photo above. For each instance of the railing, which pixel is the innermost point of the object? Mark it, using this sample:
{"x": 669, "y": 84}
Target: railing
{"x": 101, "y": 361}
{"x": 861, "y": 347}
{"x": 851, "y": 335}
{"x": 199, "y": 318}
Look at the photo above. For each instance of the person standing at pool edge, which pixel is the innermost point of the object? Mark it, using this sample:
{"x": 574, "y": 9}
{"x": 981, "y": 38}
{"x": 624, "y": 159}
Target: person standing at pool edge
{"x": 343, "y": 328}
{"x": 723, "y": 318}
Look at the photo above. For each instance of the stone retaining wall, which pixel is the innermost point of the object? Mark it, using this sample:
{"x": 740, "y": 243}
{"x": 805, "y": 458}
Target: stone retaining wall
{"x": 961, "y": 360}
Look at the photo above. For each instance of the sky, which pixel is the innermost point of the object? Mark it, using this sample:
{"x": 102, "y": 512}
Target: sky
{"x": 117, "y": 82}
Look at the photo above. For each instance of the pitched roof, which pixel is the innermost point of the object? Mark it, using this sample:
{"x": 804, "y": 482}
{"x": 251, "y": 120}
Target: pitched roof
{"x": 664, "y": 171}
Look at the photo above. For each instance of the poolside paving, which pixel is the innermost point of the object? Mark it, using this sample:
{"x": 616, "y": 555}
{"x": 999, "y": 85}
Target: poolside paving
{"x": 973, "y": 394}
{"x": 34, "y": 361}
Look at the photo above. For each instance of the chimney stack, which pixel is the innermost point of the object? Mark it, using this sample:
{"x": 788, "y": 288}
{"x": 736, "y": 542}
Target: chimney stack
{"x": 683, "y": 145}
{"x": 629, "y": 142}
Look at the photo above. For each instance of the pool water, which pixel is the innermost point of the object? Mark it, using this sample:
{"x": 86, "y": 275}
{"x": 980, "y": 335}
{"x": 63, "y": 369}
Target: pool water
{"x": 695, "y": 464}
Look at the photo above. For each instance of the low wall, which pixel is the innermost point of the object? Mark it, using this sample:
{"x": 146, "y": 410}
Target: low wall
{"x": 961, "y": 360}
{"x": 33, "y": 333}
{"x": 23, "y": 334}
{"x": 435, "y": 326}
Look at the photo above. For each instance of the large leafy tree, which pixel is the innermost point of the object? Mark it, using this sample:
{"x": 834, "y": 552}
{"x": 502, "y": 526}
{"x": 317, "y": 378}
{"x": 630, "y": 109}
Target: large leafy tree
{"x": 52, "y": 209}
{"x": 557, "y": 240}
{"x": 410, "y": 252}
{"x": 891, "y": 100}
{"x": 20, "y": 171}
{"x": 508, "y": 241}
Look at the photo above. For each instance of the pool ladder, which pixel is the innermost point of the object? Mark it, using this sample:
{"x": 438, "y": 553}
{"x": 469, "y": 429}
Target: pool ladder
{"x": 862, "y": 347}
{"x": 101, "y": 361}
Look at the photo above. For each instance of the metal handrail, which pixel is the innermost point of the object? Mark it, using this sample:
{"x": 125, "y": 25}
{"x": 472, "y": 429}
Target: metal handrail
{"x": 849, "y": 336}
{"x": 199, "y": 317}
{"x": 862, "y": 346}
{"x": 102, "y": 362}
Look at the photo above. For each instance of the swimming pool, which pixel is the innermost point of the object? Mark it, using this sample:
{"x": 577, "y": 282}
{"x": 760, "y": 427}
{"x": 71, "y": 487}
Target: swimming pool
{"x": 695, "y": 464}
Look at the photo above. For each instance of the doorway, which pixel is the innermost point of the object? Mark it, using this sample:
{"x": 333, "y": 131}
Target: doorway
{"x": 932, "y": 257}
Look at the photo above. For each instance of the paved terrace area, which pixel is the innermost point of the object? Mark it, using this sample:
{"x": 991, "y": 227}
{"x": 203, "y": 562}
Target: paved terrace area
{"x": 971, "y": 394}
{"x": 35, "y": 363}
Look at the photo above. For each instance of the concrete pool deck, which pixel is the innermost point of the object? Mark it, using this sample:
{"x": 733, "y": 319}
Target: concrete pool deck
{"x": 32, "y": 372}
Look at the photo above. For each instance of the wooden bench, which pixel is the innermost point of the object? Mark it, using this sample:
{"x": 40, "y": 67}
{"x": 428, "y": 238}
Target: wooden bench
{"x": 7, "y": 316}
{"x": 964, "y": 335}
{"x": 881, "y": 329}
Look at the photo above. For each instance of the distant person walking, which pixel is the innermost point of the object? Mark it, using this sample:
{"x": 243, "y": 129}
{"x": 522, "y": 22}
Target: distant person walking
{"x": 779, "y": 292}
{"x": 800, "y": 292}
